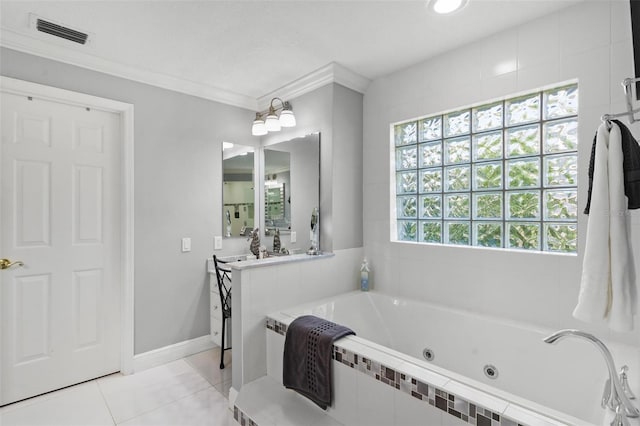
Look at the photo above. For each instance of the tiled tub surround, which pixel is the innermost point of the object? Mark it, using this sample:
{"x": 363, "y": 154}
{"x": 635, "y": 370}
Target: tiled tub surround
{"x": 537, "y": 383}
{"x": 424, "y": 386}
{"x": 272, "y": 284}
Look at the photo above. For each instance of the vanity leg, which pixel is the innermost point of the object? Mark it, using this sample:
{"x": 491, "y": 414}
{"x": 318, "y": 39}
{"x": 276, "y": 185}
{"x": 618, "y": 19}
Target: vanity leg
{"x": 222, "y": 344}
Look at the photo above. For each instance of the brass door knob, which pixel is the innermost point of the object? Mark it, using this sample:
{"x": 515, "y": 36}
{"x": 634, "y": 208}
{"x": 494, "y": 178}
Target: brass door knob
{"x": 6, "y": 263}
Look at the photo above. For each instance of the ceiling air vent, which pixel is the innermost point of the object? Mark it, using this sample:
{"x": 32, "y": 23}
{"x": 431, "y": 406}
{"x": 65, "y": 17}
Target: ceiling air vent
{"x": 60, "y": 31}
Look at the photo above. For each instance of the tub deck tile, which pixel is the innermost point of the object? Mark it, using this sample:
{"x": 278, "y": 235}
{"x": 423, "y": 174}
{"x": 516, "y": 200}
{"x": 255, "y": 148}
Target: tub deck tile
{"x": 495, "y": 405}
{"x": 525, "y": 416}
{"x": 425, "y": 375}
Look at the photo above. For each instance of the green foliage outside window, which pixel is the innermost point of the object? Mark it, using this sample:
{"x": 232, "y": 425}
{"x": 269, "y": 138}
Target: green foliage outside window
{"x": 432, "y": 232}
{"x": 458, "y": 233}
{"x": 500, "y": 175}
{"x": 489, "y": 235}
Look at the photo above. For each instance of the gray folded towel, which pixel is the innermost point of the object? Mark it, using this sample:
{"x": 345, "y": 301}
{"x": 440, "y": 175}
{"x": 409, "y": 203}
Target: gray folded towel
{"x": 307, "y": 357}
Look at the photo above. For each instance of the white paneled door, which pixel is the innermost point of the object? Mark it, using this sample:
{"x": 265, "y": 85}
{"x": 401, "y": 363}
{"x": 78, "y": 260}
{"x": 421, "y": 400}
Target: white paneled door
{"x": 60, "y": 216}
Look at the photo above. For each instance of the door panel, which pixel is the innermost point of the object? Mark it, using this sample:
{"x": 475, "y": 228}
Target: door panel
{"x": 31, "y": 129}
{"x": 88, "y": 316}
{"x": 59, "y": 214}
{"x": 33, "y": 201}
{"x": 87, "y": 205}
{"x": 88, "y": 137}
{"x": 32, "y": 307}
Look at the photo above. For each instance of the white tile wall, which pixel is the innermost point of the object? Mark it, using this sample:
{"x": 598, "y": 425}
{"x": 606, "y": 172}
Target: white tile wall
{"x": 619, "y": 16}
{"x": 538, "y": 75}
{"x": 275, "y": 343}
{"x": 374, "y": 404}
{"x": 586, "y": 26}
{"x": 590, "y": 42}
{"x": 538, "y": 42}
{"x": 499, "y": 54}
{"x": 344, "y": 394}
{"x": 621, "y": 63}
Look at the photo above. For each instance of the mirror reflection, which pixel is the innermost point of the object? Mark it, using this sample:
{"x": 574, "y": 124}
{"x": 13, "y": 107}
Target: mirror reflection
{"x": 238, "y": 199}
{"x": 291, "y": 189}
{"x": 277, "y": 185}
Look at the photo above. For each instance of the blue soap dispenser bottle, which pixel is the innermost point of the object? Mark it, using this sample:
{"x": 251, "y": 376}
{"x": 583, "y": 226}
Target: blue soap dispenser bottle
{"x": 364, "y": 275}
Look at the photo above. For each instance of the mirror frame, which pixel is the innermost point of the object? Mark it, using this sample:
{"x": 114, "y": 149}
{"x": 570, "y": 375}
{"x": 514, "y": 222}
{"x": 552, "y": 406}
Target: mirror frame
{"x": 260, "y": 175}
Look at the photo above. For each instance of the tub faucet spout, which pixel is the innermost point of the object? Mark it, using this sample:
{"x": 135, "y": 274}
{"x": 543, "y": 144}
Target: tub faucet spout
{"x": 614, "y": 396}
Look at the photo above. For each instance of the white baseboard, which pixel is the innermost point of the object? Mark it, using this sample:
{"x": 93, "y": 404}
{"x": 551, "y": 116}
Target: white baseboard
{"x": 170, "y": 353}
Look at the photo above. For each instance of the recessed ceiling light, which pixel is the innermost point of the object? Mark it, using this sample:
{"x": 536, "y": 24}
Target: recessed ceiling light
{"x": 446, "y": 6}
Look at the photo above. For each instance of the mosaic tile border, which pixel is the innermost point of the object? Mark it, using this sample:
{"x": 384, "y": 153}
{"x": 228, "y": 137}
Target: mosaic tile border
{"x": 451, "y": 404}
{"x": 277, "y": 326}
{"x": 243, "y": 419}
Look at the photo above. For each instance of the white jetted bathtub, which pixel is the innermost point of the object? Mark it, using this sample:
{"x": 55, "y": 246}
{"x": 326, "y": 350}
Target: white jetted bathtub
{"x": 481, "y": 370}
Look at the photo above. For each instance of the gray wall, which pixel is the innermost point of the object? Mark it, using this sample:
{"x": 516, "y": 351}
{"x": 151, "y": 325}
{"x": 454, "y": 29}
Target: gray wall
{"x": 178, "y": 183}
{"x": 302, "y": 185}
{"x": 336, "y": 112}
{"x": 346, "y": 168}
{"x": 178, "y": 190}
{"x": 305, "y": 191}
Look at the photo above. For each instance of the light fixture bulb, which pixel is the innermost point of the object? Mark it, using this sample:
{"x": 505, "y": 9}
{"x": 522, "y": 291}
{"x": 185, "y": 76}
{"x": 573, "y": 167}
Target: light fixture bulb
{"x": 272, "y": 123}
{"x": 447, "y": 6}
{"x": 287, "y": 119}
{"x": 227, "y": 145}
{"x": 258, "y": 128}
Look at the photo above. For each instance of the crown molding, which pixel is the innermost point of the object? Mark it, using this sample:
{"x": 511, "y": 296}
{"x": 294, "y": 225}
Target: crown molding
{"x": 25, "y": 43}
{"x": 330, "y": 73}
{"x": 349, "y": 79}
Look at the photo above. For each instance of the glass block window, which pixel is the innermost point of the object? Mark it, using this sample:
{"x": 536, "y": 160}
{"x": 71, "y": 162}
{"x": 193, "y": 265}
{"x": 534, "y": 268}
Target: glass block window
{"x": 500, "y": 175}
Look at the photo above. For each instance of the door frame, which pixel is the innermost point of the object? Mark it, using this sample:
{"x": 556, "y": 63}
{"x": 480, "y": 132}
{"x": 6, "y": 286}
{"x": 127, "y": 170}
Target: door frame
{"x": 126, "y": 194}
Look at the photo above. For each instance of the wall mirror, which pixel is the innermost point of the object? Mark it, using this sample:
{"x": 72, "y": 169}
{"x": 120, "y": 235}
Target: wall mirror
{"x": 238, "y": 199}
{"x": 277, "y": 184}
{"x": 291, "y": 188}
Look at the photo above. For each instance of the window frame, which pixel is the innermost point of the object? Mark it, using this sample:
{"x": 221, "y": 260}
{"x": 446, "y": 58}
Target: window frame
{"x": 505, "y": 160}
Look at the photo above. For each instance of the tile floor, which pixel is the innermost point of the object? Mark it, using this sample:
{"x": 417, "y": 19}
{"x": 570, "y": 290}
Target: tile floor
{"x": 188, "y": 392}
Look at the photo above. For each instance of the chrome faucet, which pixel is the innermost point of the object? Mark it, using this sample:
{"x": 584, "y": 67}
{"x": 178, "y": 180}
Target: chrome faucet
{"x": 614, "y": 395}
{"x": 625, "y": 383}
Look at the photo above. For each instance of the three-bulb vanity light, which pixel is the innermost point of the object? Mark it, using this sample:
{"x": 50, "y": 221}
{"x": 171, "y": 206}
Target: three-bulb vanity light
{"x": 273, "y": 123}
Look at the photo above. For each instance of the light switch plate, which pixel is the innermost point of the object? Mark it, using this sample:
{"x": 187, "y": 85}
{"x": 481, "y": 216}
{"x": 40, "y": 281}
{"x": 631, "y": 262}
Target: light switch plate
{"x": 293, "y": 236}
{"x": 186, "y": 245}
{"x": 217, "y": 243}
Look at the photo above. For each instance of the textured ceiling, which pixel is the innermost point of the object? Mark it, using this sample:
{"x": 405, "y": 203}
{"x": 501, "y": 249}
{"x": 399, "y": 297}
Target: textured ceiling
{"x": 254, "y": 47}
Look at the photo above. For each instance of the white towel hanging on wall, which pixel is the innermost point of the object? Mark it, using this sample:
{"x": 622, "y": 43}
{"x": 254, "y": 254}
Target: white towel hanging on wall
{"x": 606, "y": 286}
